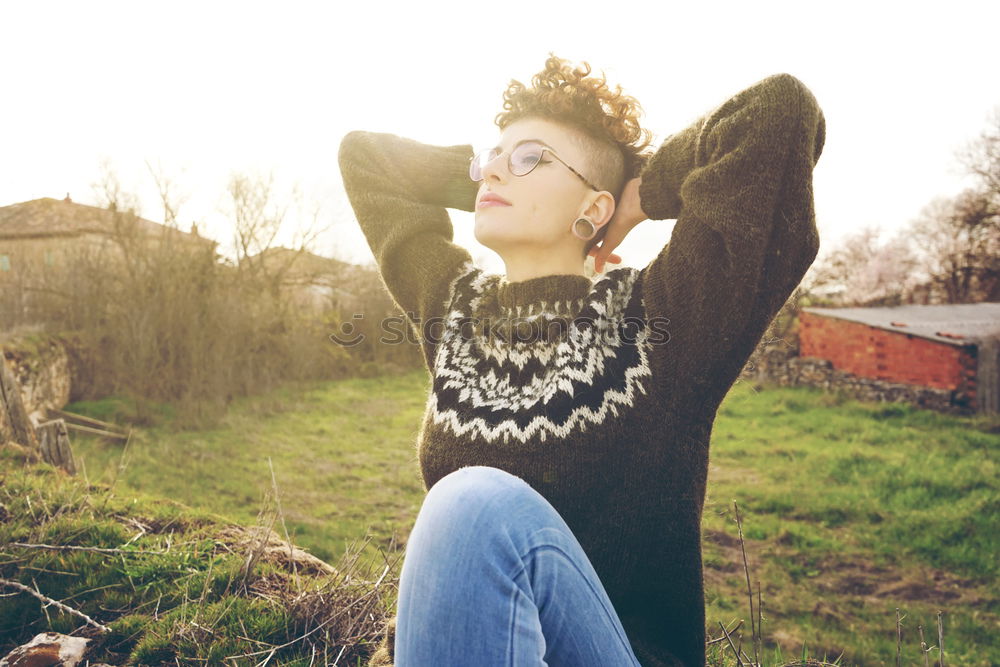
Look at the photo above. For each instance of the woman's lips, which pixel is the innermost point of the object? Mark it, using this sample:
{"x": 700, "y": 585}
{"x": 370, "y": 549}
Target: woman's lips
{"x": 486, "y": 203}
{"x": 492, "y": 199}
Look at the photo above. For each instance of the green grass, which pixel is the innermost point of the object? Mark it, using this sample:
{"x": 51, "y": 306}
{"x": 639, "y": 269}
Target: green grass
{"x": 343, "y": 455}
{"x": 853, "y": 509}
{"x": 850, "y": 510}
{"x": 175, "y": 589}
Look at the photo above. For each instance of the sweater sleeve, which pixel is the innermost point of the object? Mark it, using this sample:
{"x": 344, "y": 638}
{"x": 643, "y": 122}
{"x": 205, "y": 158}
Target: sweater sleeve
{"x": 399, "y": 189}
{"x": 738, "y": 180}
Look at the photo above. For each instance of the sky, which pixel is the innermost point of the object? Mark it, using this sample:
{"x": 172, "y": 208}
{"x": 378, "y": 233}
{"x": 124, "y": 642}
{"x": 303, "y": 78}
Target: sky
{"x": 199, "y": 91}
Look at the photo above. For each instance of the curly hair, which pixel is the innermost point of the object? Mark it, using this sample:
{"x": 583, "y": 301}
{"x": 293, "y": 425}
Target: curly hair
{"x": 607, "y": 121}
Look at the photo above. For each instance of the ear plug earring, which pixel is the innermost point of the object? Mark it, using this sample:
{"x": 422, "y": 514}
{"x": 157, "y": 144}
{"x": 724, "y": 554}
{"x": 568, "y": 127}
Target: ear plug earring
{"x": 593, "y": 228}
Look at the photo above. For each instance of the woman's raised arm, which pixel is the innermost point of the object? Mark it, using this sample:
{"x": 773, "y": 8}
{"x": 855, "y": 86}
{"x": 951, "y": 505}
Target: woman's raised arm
{"x": 739, "y": 182}
{"x": 399, "y": 189}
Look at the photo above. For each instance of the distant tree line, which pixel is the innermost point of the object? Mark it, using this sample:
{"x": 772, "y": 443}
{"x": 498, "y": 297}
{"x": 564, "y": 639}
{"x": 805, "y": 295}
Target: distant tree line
{"x": 949, "y": 254}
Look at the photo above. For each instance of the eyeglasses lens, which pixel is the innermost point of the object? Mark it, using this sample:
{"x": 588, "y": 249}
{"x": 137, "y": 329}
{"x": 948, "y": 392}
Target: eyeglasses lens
{"x": 524, "y": 158}
{"x": 478, "y": 162}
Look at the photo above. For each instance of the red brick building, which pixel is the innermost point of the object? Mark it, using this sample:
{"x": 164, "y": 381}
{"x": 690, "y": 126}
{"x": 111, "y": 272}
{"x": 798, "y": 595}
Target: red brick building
{"x": 953, "y": 347}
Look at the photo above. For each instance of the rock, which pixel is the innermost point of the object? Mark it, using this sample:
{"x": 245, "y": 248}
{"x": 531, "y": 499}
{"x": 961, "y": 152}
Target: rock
{"x": 14, "y": 421}
{"x": 49, "y": 649}
{"x": 40, "y": 367}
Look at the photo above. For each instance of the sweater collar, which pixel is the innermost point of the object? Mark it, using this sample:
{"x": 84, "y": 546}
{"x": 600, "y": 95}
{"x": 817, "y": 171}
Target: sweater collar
{"x": 562, "y": 293}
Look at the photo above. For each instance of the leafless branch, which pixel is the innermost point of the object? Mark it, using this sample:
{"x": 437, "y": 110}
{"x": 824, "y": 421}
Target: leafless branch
{"x": 55, "y": 603}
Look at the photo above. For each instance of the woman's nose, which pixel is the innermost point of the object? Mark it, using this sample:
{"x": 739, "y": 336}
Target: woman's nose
{"x": 496, "y": 169}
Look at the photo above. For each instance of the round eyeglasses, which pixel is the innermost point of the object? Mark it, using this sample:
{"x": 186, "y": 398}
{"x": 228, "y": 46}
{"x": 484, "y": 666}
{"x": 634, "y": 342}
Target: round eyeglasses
{"x": 521, "y": 161}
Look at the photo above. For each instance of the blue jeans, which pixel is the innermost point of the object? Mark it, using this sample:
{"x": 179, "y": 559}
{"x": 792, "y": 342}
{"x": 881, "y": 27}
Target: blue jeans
{"x": 492, "y": 576}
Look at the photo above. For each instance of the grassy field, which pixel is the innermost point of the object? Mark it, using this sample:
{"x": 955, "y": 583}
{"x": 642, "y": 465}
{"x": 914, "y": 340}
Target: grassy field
{"x": 849, "y": 510}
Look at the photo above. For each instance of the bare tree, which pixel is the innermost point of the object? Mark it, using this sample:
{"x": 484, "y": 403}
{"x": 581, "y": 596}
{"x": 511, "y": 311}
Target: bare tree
{"x": 109, "y": 192}
{"x": 950, "y": 253}
{"x": 981, "y": 156}
{"x": 864, "y": 270}
{"x": 258, "y": 217}
{"x": 975, "y": 216}
{"x": 168, "y": 191}
{"x": 959, "y": 242}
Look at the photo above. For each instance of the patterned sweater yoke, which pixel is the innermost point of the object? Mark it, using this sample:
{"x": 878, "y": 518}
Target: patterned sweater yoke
{"x": 601, "y": 392}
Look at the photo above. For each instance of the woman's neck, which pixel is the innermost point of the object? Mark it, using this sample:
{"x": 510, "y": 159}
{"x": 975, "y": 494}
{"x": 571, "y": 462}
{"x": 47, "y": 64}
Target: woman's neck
{"x": 525, "y": 268}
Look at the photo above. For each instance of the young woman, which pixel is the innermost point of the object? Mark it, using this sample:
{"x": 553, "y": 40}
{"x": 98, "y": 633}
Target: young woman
{"x": 565, "y": 440}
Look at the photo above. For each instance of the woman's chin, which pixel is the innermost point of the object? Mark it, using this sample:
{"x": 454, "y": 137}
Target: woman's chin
{"x": 489, "y": 233}
{"x": 499, "y": 232}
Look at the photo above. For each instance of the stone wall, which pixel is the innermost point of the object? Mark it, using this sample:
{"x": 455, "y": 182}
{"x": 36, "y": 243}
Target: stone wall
{"x": 778, "y": 363}
{"x": 41, "y": 368}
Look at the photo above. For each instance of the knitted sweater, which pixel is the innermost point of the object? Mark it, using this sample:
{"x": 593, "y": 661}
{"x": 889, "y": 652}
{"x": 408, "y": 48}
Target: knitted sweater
{"x": 601, "y": 392}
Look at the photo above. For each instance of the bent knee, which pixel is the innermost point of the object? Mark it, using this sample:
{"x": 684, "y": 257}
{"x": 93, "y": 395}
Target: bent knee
{"x": 472, "y": 487}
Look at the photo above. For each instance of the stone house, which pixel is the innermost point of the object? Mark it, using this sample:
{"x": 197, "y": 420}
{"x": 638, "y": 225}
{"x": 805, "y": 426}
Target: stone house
{"x": 42, "y": 236}
{"x": 311, "y": 281}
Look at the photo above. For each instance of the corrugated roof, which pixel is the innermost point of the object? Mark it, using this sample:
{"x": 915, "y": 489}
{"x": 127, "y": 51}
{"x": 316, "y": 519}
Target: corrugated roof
{"x": 56, "y": 217}
{"x": 958, "y": 324}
